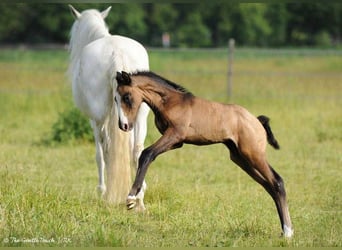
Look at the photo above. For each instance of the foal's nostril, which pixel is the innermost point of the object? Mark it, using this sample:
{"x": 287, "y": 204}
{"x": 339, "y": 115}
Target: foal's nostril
{"x": 125, "y": 126}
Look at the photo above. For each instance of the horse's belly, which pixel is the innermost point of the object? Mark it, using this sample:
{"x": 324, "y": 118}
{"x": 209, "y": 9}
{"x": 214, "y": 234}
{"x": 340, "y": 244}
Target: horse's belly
{"x": 94, "y": 105}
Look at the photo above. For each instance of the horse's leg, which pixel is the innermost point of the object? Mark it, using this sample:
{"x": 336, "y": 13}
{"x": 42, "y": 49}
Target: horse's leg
{"x": 140, "y": 131}
{"x": 101, "y": 188}
{"x": 281, "y": 203}
{"x": 140, "y": 207}
{"x": 167, "y": 142}
{"x": 274, "y": 185}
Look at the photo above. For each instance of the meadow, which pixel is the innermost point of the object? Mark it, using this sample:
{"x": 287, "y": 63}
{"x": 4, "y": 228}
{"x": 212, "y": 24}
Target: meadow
{"x": 196, "y": 196}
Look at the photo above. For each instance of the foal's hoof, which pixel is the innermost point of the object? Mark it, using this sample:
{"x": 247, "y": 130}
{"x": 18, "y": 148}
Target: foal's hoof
{"x": 288, "y": 232}
{"x": 131, "y": 202}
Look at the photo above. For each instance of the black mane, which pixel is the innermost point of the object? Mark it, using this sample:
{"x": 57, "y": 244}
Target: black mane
{"x": 162, "y": 81}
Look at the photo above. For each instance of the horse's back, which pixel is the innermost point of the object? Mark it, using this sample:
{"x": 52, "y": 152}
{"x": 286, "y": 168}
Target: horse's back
{"x": 123, "y": 50}
{"x": 134, "y": 54}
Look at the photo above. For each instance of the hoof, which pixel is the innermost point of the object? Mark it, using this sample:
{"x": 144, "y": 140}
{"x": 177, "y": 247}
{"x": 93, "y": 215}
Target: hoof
{"x": 101, "y": 190}
{"x": 288, "y": 232}
{"x": 131, "y": 202}
{"x": 140, "y": 207}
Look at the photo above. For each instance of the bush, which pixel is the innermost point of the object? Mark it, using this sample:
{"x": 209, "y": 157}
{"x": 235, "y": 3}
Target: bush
{"x": 71, "y": 125}
{"x": 323, "y": 39}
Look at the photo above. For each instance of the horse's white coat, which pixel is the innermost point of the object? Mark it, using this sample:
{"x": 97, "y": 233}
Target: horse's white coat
{"x": 95, "y": 57}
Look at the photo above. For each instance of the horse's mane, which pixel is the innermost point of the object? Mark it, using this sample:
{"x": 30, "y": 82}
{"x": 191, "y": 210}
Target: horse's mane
{"x": 89, "y": 27}
{"x": 161, "y": 80}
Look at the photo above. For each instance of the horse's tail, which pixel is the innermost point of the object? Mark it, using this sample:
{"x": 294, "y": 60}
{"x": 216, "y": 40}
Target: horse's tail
{"x": 118, "y": 163}
{"x": 270, "y": 137}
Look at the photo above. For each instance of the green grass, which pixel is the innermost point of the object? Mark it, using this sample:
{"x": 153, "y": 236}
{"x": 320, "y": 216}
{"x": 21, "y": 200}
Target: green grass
{"x": 196, "y": 196}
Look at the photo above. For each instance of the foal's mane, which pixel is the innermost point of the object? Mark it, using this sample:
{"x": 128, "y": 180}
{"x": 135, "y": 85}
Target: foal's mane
{"x": 161, "y": 80}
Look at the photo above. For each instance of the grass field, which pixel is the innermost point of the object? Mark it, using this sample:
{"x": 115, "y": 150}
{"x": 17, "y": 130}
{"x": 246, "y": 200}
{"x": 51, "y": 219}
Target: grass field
{"x": 196, "y": 196}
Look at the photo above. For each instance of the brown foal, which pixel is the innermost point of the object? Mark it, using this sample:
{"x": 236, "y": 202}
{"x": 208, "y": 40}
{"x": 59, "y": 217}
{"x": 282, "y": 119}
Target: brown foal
{"x": 183, "y": 118}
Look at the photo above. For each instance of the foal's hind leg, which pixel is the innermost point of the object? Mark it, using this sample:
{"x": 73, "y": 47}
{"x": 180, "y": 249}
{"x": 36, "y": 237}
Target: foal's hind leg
{"x": 274, "y": 185}
{"x": 281, "y": 203}
{"x": 262, "y": 173}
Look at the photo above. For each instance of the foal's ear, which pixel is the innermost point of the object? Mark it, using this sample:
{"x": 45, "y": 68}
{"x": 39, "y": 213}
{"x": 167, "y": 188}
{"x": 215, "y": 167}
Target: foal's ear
{"x": 74, "y": 12}
{"x": 123, "y": 78}
{"x": 105, "y": 13}
{"x": 126, "y": 77}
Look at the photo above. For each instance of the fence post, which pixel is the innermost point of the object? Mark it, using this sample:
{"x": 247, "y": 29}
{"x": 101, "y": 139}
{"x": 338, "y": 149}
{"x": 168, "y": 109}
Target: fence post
{"x": 231, "y": 45}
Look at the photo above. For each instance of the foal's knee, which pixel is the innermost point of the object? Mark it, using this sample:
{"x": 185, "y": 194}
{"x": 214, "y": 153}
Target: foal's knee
{"x": 279, "y": 185}
{"x": 148, "y": 155}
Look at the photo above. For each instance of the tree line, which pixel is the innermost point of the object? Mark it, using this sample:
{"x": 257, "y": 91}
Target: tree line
{"x": 200, "y": 24}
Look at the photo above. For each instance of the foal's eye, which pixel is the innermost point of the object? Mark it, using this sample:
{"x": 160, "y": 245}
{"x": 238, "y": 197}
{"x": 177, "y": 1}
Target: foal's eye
{"x": 126, "y": 98}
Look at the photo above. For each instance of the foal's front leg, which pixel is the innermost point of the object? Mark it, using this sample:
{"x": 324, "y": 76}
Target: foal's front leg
{"x": 170, "y": 140}
{"x": 137, "y": 144}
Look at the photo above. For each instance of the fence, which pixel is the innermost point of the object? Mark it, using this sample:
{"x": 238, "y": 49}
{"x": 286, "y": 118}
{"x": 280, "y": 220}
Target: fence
{"x": 224, "y": 56}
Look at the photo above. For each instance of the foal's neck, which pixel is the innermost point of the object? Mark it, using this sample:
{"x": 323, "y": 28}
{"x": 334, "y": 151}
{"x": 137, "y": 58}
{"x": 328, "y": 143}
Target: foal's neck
{"x": 158, "y": 91}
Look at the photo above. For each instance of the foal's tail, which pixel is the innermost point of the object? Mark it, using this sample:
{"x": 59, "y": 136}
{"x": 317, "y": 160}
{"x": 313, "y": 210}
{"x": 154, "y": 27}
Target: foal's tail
{"x": 270, "y": 137}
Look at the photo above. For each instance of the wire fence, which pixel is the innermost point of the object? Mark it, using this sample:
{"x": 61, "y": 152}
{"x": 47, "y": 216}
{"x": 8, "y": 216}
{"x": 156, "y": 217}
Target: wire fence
{"x": 225, "y": 59}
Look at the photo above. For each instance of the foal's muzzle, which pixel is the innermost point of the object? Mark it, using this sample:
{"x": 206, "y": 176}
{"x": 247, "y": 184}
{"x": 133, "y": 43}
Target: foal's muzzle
{"x": 125, "y": 126}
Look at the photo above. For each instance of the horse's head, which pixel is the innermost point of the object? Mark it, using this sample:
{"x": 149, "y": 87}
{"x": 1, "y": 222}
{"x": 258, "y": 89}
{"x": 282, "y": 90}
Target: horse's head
{"x": 77, "y": 15}
{"x": 128, "y": 101}
{"x": 89, "y": 25}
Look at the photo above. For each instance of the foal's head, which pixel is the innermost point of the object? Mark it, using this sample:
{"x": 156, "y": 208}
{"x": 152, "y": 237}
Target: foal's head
{"x": 128, "y": 100}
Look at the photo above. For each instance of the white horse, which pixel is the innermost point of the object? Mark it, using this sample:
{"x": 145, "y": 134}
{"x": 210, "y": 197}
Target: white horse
{"x": 95, "y": 57}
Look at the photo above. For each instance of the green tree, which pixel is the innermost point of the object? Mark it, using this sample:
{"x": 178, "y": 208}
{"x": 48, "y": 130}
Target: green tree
{"x": 193, "y": 32}
{"x": 49, "y": 23}
{"x": 160, "y": 18}
{"x": 250, "y": 26}
{"x": 277, "y": 17}
{"x": 217, "y": 17}
{"x": 129, "y": 21}
{"x": 310, "y": 22}
{"x": 10, "y": 14}
{"x": 190, "y": 24}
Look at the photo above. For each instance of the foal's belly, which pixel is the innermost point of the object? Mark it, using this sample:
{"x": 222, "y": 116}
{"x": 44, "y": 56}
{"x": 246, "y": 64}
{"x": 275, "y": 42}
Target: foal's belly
{"x": 206, "y": 135}
{"x": 200, "y": 143}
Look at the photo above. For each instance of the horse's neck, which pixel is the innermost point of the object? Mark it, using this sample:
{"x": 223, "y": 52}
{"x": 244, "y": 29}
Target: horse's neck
{"x": 83, "y": 37}
{"x": 80, "y": 39}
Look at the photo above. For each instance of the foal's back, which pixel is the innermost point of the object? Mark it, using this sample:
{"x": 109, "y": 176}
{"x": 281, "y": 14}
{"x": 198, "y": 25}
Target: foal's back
{"x": 213, "y": 122}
